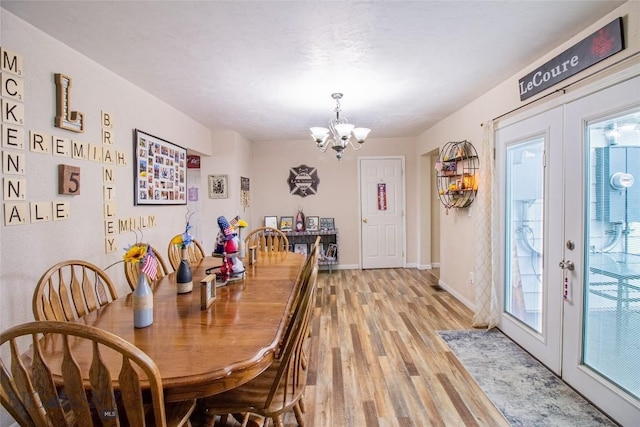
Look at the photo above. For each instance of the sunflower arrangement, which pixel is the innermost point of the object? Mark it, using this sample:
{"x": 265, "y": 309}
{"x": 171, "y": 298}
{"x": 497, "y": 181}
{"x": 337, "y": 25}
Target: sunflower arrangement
{"x": 141, "y": 253}
{"x": 136, "y": 253}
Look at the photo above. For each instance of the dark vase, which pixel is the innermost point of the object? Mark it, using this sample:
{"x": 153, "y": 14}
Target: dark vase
{"x": 184, "y": 278}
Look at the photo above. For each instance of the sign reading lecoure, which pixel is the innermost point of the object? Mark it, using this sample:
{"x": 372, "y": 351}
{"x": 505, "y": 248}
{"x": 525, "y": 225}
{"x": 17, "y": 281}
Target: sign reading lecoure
{"x": 602, "y": 44}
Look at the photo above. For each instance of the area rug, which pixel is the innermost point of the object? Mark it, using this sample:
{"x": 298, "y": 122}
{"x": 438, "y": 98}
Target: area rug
{"x": 524, "y": 390}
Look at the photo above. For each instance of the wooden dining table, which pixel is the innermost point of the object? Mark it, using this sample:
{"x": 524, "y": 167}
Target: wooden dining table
{"x": 202, "y": 352}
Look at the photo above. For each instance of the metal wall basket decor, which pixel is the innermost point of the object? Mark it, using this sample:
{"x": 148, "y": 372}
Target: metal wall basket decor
{"x": 457, "y": 174}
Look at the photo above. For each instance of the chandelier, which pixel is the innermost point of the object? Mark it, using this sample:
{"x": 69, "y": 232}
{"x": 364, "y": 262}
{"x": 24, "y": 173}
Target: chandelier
{"x": 338, "y": 135}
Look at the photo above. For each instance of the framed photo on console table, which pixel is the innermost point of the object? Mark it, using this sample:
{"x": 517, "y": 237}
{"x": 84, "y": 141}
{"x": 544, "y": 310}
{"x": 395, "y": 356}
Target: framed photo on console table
{"x": 332, "y": 251}
{"x": 160, "y": 176}
{"x": 327, "y": 224}
{"x": 271, "y": 221}
{"x": 286, "y": 223}
{"x": 301, "y": 248}
{"x": 312, "y": 223}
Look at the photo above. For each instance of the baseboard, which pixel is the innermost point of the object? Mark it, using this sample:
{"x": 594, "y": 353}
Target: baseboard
{"x": 341, "y": 267}
{"x": 456, "y": 295}
{"x": 425, "y": 267}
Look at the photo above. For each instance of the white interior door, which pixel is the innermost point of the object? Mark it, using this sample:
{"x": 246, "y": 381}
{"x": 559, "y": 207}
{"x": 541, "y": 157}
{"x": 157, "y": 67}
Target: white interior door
{"x": 529, "y": 153}
{"x": 382, "y": 212}
{"x": 602, "y": 192}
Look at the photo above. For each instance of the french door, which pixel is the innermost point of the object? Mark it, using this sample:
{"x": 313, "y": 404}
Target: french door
{"x": 570, "y": 191}
{"x": 531, "y": 194}
{"x": 602, "y": 216}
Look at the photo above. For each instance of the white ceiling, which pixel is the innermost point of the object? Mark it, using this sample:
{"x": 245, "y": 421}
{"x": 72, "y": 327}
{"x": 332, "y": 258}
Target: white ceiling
{"x": 267, "y": 69}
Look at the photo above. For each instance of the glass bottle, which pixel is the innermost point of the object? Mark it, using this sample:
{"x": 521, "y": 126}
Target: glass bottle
{"x": 142, "y": 302}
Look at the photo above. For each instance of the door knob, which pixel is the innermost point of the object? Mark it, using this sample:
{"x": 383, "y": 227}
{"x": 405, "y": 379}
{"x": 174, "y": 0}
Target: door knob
{"x": 364, "y": 220}
{"x": 567, "y": 265}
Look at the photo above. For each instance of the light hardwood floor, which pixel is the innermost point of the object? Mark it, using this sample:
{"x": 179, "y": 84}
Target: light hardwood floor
{"x": 377, "y": 360}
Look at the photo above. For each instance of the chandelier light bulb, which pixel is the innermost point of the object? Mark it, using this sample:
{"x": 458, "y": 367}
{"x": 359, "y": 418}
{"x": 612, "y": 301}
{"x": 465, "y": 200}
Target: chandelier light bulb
{"x": 344, "y": 130}
{"x": 319, "y": 134}
{"x": 361, "y": 134}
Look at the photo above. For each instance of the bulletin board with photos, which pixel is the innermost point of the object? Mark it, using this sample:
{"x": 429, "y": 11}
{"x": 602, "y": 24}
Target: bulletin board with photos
{"x": 160, "y": 171}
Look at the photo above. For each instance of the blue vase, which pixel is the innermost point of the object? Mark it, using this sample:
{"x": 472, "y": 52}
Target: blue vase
{"x": 142, "y": 302}
{"x": 184, "y": 278}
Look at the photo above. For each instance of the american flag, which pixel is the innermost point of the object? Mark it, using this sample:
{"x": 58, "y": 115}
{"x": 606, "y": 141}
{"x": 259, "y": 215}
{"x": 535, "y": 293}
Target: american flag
{"x": 150, "y": 265}
{"x": 234, "y": 222}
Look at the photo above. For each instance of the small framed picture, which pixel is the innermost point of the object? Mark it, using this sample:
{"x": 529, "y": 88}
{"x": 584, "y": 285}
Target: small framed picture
{"x": 271, "y": 221}
{"x": 459, "y": 185}
{"x": 207, "y": 291}
{"x": 301, "y": 248}
{"x": 332, "y": 250}
{"x": 286, "y": 223}
{"x": 327, "y": 224}
{"x": 218, "y": 187}
{"x": 312, "y": 223}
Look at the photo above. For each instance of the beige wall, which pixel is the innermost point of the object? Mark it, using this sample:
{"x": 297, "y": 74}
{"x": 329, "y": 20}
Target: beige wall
{"x": 337, "y": 194}
{"x": 457, "y": 233}
{"x": 28, "y": 250}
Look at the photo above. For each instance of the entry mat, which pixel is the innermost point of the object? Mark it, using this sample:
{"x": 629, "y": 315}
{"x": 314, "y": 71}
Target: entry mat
{"x": 525, "y": 391}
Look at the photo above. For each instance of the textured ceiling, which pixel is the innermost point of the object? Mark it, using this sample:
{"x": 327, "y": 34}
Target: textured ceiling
{"x": 267, "y": 69}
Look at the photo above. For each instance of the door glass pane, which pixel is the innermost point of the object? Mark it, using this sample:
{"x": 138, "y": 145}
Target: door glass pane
{"x": 524, "y": 231}
{"x": 611, "y": 344}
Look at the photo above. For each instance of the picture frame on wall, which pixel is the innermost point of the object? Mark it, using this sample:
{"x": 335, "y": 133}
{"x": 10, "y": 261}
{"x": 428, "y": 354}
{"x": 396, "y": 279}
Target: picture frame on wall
{"x": 218, "y": 186}
{"x": 312, "y": 223}
{"x": 271, "y": 222}
{"x": 286, "y": 223}
{"x": 160, "y": 176}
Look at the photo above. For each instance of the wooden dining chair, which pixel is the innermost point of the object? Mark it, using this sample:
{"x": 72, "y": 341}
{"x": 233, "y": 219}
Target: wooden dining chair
{"x": 310, "y": 264}
{"x": 195, "y": 252}
{"x": 267, "y": 239}
{"x": 70, "y": 290}
{"x": 131, "y": 270}
{"x": 35, "y": 396}
{"x": 280, "y": 387}
{"x": 305, "y": 275}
